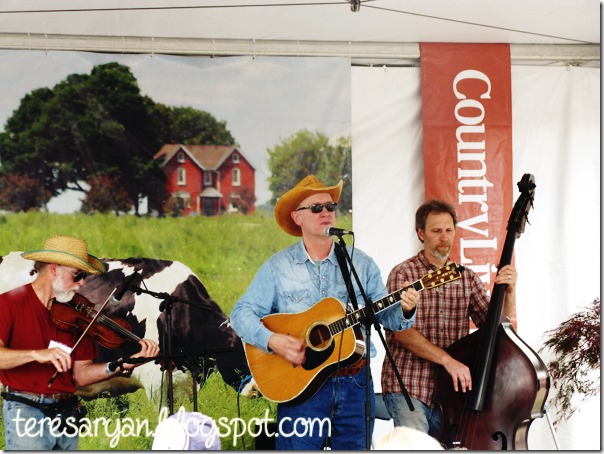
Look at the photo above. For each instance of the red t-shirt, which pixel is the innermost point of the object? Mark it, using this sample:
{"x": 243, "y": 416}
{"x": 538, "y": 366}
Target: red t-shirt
{"x": 25, "y": 324}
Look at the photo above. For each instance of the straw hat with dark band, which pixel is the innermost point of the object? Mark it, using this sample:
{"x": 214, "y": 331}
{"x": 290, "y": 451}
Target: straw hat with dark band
{"x": 292, "y": 198}
{"x": 68, "y": 251}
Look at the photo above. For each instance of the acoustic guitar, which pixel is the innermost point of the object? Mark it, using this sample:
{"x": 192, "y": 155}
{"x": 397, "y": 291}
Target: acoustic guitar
{"x": 333, "y": 340}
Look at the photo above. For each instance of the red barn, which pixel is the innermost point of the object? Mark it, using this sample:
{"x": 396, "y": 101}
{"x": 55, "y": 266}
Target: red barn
{"x": 207, "y": 179}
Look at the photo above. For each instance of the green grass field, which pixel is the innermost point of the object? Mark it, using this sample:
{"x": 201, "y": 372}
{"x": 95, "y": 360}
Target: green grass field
{"x": 225, "y": 252}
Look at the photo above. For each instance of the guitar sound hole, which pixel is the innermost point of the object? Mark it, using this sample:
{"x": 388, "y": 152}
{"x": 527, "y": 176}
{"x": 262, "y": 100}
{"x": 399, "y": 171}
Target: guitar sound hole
{"x": 319, "y": 337}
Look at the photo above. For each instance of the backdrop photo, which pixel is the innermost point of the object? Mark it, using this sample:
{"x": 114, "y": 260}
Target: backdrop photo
{"x": 263, "y": 100}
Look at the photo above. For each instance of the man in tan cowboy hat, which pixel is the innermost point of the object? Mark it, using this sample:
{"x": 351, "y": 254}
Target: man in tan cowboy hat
{"x": 293, "y": 281}
{"x": 33, "y": 348}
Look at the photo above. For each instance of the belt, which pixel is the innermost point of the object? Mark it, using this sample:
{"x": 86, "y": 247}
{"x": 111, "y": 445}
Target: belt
{"x": 350, "y": 370}
{"x": 55, "y": 396}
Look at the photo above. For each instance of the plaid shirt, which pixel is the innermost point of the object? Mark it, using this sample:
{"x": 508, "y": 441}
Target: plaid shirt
{"x": 442, "y": 317}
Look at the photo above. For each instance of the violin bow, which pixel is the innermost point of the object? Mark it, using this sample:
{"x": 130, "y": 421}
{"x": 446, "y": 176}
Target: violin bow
{"x": 98, "y": 313}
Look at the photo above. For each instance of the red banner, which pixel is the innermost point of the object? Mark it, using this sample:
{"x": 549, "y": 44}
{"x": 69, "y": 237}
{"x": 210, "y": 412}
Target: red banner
{"x": 467, "y": 129}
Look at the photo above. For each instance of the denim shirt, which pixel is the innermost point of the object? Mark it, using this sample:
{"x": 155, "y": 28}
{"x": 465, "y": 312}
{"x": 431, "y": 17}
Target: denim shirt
{"x": 290, "y": 282}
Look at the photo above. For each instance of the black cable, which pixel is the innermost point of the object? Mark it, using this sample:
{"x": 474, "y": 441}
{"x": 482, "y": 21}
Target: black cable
{"x": 248, "y": 378}
{"x": 475, "y": 24}
{"x": 270, "y": 5}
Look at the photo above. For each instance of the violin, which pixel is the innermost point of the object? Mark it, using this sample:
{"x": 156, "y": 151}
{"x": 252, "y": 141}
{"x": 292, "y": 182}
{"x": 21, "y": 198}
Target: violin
{"x": 77, "y": 314}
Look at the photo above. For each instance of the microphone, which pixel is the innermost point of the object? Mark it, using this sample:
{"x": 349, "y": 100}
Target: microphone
{"x": 113, "y": 365}
{"x": 331, "y": 231}
{"x": 122, "y": 289}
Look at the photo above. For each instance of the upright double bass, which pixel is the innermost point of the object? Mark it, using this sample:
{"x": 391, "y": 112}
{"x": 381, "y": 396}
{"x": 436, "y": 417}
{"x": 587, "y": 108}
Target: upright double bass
{"x": 510, "y": 382}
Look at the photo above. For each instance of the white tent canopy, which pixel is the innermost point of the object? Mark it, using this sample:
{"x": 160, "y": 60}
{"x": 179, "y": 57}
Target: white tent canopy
{"x": 381, "y": 32}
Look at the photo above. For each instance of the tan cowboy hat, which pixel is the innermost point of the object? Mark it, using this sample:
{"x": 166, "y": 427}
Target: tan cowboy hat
{"x": 291, "y": 199}
{"x": 68, "y": 251}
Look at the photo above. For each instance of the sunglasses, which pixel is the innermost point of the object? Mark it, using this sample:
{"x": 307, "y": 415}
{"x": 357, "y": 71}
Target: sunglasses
{"x": 78, "y": 275}
{"x": 318, "y": 207}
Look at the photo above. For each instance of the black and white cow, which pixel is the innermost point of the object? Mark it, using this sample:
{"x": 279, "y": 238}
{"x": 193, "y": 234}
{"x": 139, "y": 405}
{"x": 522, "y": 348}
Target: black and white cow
{"x": 200, "y": 333}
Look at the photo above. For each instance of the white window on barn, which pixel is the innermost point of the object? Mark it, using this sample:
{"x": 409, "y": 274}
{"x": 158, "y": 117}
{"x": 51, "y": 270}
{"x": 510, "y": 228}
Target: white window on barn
{"x": 182, "y": 176}
{"x": 180, "y": 157}
{"x": 207, "y": 178}
{"x": 235, "y": 158}
{"x": 236, "y": 177}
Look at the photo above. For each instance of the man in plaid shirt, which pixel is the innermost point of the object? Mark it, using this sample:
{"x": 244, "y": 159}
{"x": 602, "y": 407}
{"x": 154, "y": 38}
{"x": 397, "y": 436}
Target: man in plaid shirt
{"x": 442, "y": 317}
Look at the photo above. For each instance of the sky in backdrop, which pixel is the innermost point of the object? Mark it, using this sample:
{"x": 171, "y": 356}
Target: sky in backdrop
{"x": 263, "y": 100}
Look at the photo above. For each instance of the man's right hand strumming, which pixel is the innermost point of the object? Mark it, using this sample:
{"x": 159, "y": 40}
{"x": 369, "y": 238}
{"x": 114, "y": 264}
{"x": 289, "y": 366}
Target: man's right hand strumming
{"x": 288, "y": 347}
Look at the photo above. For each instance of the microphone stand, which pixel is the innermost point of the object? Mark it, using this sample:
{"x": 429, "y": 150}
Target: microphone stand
{"x": 166, "y": 307}
{"x": 193, "y": 365}
{"x": 192, "y": 361}
{"x": 369, "y": 321}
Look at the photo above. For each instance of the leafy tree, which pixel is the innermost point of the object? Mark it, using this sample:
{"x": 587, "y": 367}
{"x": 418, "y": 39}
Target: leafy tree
{"x": 22, "y": 193}
{"x": 175, "y": 206}
{"x": 246, "y": 200}
{"x": 338, "y": 165}
{"x": 575, "y": 369}
{"x": 105, "y": 194}
{"x": 310, "y": 153}
{"x": 100, "y": 124}
{"x": 194, "y": 127}
{"x": 86, "y": 125}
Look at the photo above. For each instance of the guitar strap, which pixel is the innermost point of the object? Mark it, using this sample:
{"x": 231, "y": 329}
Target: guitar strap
{"x": 346, "y": 275}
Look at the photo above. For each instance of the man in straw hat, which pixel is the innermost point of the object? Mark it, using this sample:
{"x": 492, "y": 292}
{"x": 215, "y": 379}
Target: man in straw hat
{"x": 294, "y": 280}
{"x": 33, "y": 349}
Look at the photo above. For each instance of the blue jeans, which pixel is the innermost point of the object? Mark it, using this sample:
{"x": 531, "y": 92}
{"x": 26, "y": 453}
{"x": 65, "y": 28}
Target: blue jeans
{"x": 24, "y": 434}
{"x": 424, "y": 417}
{"x": 339, "y": 405}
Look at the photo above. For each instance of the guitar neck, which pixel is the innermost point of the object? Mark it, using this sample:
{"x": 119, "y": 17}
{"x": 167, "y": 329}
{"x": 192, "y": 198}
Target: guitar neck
{"x": 354, "y": 318}
{"x": 448, "y": 273}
